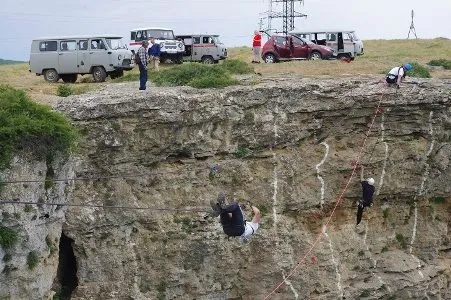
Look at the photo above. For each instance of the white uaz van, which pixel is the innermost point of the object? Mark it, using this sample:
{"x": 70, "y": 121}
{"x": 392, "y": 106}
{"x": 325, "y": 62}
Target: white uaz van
{"x": 170, "y": 48}
{"x": 66, "y": 57}
{"x": 206, "y": 48}
{"x": 345, "y": 43}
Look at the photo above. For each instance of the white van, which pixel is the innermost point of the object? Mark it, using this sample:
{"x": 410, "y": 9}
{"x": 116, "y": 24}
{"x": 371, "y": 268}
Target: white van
{"x": 66, "y": 57}
{"x": 170, "y": 48}
{"x": 206, "y": 48}
{"x": 345, "y": 43}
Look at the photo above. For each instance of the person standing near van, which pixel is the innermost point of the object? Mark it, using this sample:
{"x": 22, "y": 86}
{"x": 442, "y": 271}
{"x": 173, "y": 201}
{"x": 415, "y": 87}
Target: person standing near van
{"x": 256, "y": 46}
{"x": 142, "y": 64}
{"x": 154, "y": 54}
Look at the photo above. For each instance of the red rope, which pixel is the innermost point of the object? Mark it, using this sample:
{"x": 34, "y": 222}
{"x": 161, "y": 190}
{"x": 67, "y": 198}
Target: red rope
{"x": 320, "y": 235}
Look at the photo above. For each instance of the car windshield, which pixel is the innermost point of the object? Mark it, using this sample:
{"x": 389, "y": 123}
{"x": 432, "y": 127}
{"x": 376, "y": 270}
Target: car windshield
{"x": 354, "y": 36}
{"x": 115, "y": 44}
{"x": 300, "y": 40}
{"x": 216, "y": 40}
{"x": 160, "y": 34}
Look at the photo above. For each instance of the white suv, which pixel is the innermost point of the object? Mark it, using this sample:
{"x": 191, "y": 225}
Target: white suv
{"x": 170, "y": 47}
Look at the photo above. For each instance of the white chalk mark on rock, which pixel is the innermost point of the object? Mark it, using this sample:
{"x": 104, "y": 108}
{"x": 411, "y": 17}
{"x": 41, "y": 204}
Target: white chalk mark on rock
{"x": 288, "y": 283}
{"x": 421, "y": 192}
{"x": 381, "y": 180}
{"x": 275, "y": 179}
{"x": 336, "y": 264}
{"x": 320, "y": 178}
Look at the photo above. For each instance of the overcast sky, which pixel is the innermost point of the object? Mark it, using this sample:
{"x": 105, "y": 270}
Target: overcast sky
{"x": 233, "y": 20}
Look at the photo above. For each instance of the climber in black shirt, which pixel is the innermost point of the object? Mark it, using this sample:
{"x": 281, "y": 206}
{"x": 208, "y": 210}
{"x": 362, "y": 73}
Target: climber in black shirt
{"x": 368, "y": 191}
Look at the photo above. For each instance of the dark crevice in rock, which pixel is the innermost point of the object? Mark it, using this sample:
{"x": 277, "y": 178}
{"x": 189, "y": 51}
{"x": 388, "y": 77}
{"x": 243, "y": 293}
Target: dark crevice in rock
{"x": 67, "y": 267}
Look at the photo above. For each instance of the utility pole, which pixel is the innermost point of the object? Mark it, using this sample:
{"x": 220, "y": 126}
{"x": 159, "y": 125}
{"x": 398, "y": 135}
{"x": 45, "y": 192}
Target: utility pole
{"x": 288, "y": 14}
{"x": 412, "y": 27}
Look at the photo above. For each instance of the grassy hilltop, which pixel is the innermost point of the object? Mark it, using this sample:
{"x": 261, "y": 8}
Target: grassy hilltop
{"x": 380, "y": 55}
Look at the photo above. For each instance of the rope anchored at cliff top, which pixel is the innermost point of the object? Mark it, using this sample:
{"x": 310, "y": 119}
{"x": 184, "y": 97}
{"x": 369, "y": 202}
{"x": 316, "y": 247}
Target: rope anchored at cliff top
{"x": 338, "y": 200}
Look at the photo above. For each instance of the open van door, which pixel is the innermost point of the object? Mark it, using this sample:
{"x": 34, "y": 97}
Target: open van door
{"x": 340, "y": 41}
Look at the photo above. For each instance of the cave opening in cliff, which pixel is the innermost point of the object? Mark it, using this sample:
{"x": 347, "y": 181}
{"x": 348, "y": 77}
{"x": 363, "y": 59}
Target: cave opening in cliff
{"x": 67, "y": 267}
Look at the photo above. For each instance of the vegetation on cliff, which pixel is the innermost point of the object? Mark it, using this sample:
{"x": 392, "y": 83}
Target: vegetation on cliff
{"x": 25, "y": 124}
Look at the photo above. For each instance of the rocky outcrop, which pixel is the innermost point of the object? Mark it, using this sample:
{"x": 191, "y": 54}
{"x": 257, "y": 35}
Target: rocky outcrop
{"x": 289, "y": 146}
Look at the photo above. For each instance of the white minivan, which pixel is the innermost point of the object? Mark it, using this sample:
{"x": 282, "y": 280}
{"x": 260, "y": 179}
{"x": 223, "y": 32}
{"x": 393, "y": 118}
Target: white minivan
{"x": 66, "y": 57}
{"x": 345, "y": 43}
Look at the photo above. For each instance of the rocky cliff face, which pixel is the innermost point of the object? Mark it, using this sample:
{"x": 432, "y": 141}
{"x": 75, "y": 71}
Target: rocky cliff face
{"x": 289, "y": 147}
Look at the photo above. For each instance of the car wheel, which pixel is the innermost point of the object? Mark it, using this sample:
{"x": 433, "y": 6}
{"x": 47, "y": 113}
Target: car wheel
{"x": 208, "y": 60}
{"x": 315, "y": 55}
{"x": 51, "y": 75}
{"x": 344, "y": 56}
{"x": 269, "y": 58}
{"x": 99, "y": 74}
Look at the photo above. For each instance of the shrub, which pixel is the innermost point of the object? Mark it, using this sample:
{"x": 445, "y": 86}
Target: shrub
{"x": 64, "y": 90}
{"x": 401, "y": 240}
{"x": 439, "y": 200}
{"x": 193, "y": 74}
{"x": 419, "y": 71}
{"x": 236, "y": 66}
{"x": 26, "y": 124}
{"x": 441, "y": 62}
{"x": 241, "y": 152}
{"x": 8, "y": 237}
{"x": 33, "y": 260}
{"x": 50, "y": 245}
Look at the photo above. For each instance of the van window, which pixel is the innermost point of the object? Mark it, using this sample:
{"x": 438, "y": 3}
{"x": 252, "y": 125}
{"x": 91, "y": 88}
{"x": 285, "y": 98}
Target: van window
{"x": 133, "y": 36}
{"x": 332, "y": 37}
{"x": 320, "y": 39}
{"x": 68, "y": 45}
{"x": 196, "y": 40}
{"x": 48, "y": 46}
{"x": 207, "y": 40}
{"x": 347, "y": 37}
{"x": 97, "y": 44}
{"x": 83, "y": 45}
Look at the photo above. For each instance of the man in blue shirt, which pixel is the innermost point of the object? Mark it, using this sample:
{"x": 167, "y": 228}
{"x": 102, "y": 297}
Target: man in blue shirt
{"x": 154, "y": 54}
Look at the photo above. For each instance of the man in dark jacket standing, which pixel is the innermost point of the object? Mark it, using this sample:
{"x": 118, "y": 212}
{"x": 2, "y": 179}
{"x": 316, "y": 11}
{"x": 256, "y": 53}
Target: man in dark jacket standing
{"x": 142, "y": 64}
{"x": 368, "y": 191}
{"x": 154, "y": 54}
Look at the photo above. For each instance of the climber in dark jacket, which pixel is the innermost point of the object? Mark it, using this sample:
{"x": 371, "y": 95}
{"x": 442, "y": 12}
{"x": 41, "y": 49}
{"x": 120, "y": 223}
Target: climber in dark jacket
{"x": 232, "y": 219}
{"x": 368, "y": 191}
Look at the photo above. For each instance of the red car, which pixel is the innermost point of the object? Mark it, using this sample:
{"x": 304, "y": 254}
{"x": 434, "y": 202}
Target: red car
{"x": 280, "y": 47}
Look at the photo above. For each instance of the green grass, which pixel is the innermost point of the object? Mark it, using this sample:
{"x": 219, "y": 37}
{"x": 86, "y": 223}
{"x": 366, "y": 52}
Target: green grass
{"x": 242, "y": 152}
{"x": 439, "y": 200}
{"x": 446, "y": 63}
{"x": 33, "y": 260}
{"x": 419, "y": 71}
{"x": 64, "y": 90}
{"x": 8, "y": 237}
{"x": 194, "y": 74}
{"x": 401, "y": 240}
{"x": 25, "y": 124}
{"x": 236, "y": 66}
{"x": 50, "y": 245}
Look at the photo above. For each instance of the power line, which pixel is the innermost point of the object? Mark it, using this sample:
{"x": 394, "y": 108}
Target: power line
{"x": 106, "y": 206}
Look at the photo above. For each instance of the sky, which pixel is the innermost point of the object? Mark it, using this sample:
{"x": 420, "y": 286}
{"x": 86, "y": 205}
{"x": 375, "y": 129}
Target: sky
{"x": 234, "y": 20}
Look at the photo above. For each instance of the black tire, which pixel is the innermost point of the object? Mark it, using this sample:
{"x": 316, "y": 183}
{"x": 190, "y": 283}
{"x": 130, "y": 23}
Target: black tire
{"x": 178, "y": 60}
{"x": 51, "y": 75}
{"x": 315, "y": 55}
{"x": 208, "y": 60}
{"x": 269, "y": 58}
{"x": 116, "y": 74}
{"x": 99, "y": 74}
{"x": 344, "y": 56}
{"x": 69, "y": 78}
